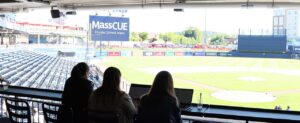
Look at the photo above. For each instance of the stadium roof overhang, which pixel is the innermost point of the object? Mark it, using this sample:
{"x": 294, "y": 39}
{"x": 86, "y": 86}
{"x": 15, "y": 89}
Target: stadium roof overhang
{"x": 20, "y": 5}
{"x": 172, "y": 3}
{"x": 7, "y": 31}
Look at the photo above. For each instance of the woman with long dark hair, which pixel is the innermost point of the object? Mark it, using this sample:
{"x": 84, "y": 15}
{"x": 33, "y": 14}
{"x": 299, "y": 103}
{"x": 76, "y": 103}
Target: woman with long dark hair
{"x": 76, "y": 93}
{"x": 109, "y": 97}
{"x": 160, "y": 104}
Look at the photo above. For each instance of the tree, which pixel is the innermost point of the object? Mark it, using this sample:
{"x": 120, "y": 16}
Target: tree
{"x": 177, "y": 38}
{"x": 191, "y": 35}
{"x": 193, "y": 32}
{"x": 171, "y": 37}
{"x": 218, "y": 39}
{"x": 164, "y": 37}
{"x": 143, "y": 36}
{"x": 134, "y": 36}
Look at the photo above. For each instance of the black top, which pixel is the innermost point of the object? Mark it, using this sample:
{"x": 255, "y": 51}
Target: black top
{"x": 158, "y": 109}
{"x": 75, "y": 95}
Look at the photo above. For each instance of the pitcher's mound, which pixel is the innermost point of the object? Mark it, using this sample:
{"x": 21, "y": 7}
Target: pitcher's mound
{"x": 251, "y": 79}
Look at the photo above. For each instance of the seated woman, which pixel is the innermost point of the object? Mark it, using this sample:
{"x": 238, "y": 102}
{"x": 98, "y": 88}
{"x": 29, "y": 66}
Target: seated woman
{"x": 160, "y": 105}
{"x": 109, "y": 97}
{"x": 76, "y": 92}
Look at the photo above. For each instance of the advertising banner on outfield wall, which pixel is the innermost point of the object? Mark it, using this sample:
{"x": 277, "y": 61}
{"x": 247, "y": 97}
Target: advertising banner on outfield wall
{"x": 107, "y": 28}
{"x": 211, "y": 53}
{"x": 169, "y": 53}
{"x": 179, "y": 53}
{"x": 199, "y": 53}
{"x": 147, "y": 53}
{"x": 126, "y": 53}
{"x": 103, "y": 53}
{"x": 114, "y": 53}
{"x": 189, "y": 54}
{"x": 158, "y": 54}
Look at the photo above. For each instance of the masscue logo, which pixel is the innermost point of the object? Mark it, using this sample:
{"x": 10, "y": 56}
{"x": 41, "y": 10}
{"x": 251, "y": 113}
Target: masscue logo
{"x": 106, "y": 28}
{"x": 113, "y": 25}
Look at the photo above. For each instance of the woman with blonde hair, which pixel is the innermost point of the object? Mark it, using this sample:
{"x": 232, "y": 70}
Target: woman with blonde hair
{"x": 110, "y": 98}
{"x": 160, "y": 104}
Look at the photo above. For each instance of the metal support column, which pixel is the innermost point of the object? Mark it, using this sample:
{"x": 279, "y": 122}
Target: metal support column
{"x": 2, "y": 38}
{"x": 38, "y": 39}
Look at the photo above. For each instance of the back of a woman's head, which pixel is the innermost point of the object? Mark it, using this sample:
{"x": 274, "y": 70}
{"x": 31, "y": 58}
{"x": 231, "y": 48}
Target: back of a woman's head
{"x": 162, "y": 85}
{"x": 80, "y": 70}
{"x": 111, "y": 79}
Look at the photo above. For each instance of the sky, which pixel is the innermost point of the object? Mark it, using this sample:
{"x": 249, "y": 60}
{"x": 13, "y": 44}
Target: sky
{"x": 166, "y": 20}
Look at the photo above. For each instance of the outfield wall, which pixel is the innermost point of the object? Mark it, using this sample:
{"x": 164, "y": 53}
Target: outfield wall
{"x": 195, "y": 53}
{"x": 261, "y": 55}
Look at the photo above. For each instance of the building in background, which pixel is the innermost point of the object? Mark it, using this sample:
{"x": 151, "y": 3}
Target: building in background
{"x": 286, "y": 21}
{"x": 13, "y": 31}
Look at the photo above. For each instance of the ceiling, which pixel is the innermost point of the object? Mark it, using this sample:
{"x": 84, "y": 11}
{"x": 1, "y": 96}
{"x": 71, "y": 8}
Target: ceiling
{"x": 20, "y": 5}
{"x": 15, "y": 5}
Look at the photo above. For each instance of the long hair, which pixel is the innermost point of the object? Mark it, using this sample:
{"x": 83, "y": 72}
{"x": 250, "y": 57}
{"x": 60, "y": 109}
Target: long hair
{"x": 110, "y": 88}
{"x": 80, "y": 70}
{"x": 162, "y": 86}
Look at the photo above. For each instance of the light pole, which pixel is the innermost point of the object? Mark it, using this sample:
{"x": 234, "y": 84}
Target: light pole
{"x": 204, "y": 38}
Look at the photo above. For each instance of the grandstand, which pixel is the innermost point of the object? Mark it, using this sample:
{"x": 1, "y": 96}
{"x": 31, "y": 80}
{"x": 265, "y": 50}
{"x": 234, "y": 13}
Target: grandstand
{"x": 34, "y": 70}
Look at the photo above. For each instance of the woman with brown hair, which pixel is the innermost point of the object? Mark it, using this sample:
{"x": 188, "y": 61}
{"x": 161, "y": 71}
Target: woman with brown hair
{"x": 160, "y": 104}
{"x": 109, "y": 97}
{"x": 76, "y": 93}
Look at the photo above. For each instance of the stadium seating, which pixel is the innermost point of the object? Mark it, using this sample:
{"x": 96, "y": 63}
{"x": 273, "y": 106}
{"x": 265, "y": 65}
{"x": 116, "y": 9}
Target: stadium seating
{"x": 30, "y": 69}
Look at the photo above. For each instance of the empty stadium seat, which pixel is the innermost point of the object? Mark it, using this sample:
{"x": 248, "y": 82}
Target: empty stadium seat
{"x": 30, "y": 69}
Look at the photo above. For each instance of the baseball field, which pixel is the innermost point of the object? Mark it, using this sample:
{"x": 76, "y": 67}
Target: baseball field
{"x": 246, "y": 82}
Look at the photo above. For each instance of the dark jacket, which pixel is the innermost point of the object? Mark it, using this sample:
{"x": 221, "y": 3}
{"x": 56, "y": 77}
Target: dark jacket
{"x": 75, "y": 96}
{"x": 123, "y": 106}
{"x": 152, "y": 108}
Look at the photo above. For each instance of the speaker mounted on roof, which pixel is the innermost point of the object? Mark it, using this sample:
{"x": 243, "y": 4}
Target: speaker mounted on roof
{"x": 55, "y": 13}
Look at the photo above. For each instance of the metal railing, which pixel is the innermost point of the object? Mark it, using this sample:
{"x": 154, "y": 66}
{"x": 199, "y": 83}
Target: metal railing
{"x": 34, "y": 97}
{"x": 34, "y": 104}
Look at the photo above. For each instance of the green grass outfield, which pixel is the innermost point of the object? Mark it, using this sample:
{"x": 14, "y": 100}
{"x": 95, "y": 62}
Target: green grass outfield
{"x": 280, "y": 77}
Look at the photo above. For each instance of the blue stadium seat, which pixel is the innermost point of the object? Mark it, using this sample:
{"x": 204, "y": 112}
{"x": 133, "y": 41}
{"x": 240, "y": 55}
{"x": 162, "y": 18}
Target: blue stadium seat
{"x": 31, "y": 69}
